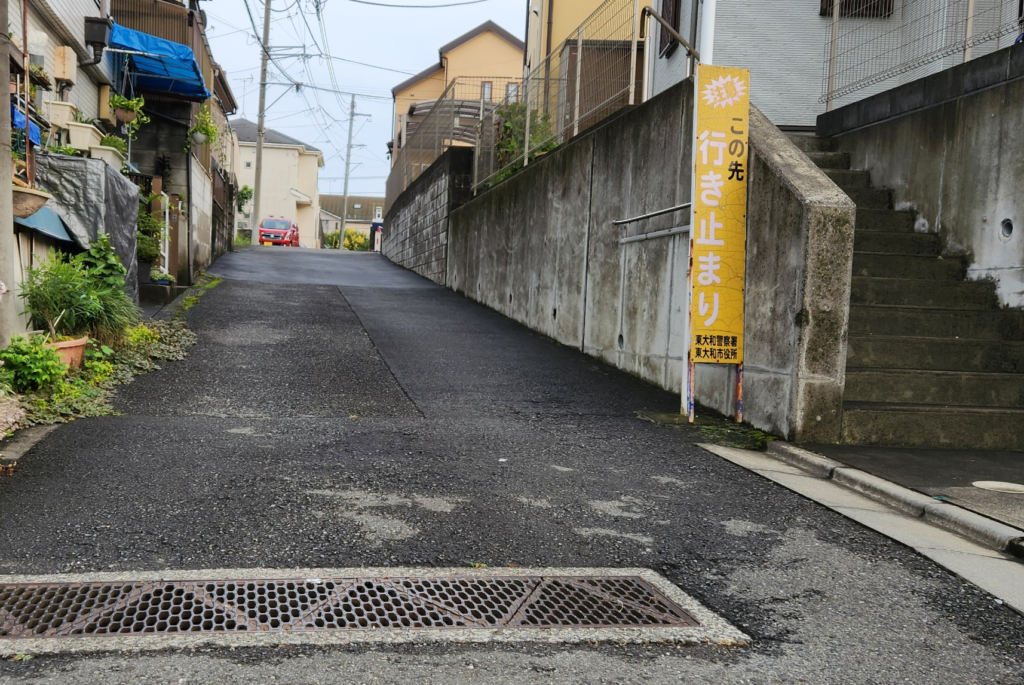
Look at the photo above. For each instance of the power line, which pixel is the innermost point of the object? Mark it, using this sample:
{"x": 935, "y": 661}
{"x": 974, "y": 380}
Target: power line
{"x": 418, "y": 7}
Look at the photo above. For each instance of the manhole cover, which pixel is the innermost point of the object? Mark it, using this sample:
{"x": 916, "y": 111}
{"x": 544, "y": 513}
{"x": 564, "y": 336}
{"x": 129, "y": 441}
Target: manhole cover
{"x": 999, "y": 486}
{"x": 40, "y": 610}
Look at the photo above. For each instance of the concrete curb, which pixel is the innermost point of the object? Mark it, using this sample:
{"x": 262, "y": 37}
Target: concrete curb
{"x": 980, "y": 529}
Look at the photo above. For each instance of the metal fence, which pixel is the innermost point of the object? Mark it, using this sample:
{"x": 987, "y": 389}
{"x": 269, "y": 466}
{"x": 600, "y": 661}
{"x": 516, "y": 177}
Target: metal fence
{"x": 879, "y": 44}
{"x": 595, "y": 72}
{"x": 432, "y": 126}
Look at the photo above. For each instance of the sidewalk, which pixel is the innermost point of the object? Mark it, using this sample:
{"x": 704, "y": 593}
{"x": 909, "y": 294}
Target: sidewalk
{"x": 943, "y": 474}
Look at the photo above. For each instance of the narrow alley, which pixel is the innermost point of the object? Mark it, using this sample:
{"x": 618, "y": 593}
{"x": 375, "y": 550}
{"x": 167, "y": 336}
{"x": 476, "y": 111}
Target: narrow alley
{"x": 341, "y": 412}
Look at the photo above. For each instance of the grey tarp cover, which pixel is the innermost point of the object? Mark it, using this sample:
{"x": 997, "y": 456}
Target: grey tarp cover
{"x": 93, "y": 198}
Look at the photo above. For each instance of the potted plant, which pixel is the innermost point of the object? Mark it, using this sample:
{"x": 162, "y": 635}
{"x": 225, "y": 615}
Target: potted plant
{"x": 147, "y": 251}
{"x": 204, "y": 130}
{"x": 27, "y": 201}
{"x": 82, "y": 134}
{"x": 60, "y": 113}
{"x": 59, "y": 298}
{"x": 129, "y": 111}
{"x": 111, "y": 150}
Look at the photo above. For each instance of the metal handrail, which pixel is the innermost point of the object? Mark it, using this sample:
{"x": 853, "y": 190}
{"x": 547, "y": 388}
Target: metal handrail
{"x": 619, "y": 222}
{"x": 668, "y": 27}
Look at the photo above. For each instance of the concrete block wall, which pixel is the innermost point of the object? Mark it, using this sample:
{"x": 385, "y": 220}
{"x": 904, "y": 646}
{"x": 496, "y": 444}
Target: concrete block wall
{"x": 416, "y": 226}
{"x": 540, "y": 248}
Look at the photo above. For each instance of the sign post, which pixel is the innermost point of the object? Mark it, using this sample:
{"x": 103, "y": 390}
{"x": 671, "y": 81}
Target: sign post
{"x": 718, "y": 223}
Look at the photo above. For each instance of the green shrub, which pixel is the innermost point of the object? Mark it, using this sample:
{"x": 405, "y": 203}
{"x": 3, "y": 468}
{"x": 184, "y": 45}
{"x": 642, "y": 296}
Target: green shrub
{"x": 59, "y": 296}
{"x": 32, "y": 364}
{"x": 332, "y": 240}
{"x": 71, "y": 299}
{"x": 102, "y": 263}
{"x": 356, "y": 240}
{"x": 141, "y": 335}
{"x": 245, "y": 194}
{"x": 119, "y": 144}
{"x": 147, "y": 249}
{"x": 243, "y": 239}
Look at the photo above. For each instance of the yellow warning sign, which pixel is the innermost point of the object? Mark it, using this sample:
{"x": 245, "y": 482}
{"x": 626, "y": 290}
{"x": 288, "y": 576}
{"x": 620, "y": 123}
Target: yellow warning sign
{"x": 718, "y": 233}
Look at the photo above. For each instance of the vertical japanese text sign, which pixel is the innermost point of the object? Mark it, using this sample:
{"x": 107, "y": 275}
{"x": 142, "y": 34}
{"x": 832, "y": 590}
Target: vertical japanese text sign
{"x": 718, "y": 232}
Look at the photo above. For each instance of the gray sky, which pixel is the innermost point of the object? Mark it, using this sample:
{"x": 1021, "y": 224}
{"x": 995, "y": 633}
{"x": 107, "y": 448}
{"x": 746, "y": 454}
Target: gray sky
{"x": 402, "y": 39}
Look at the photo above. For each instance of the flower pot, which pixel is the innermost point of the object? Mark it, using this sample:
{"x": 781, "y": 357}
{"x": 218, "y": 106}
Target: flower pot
{"x": 198, "y": 138}
{"x": 60, "y": 113}
{"x": 125, "y": 115}
{"x": 108, "y": 154}
{"x": 83, "y": 136}
{"x": 71, "y": 351}
{"x": 27, "y": 201}
{"x": 144, "y": 272}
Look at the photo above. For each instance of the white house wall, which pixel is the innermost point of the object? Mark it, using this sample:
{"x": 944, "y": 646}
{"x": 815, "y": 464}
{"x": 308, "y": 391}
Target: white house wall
{"x": 53, "y": 23}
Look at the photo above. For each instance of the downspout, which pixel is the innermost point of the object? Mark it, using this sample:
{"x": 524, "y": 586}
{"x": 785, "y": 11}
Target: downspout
{"x": 694, "y": 9}
{"x": 547, "y": 54}
{"x": 93, "y": 44}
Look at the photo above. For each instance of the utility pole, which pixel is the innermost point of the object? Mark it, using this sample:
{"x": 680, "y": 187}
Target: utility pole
{"x": 348, "y": 160}
{"x": 260, "y": 131}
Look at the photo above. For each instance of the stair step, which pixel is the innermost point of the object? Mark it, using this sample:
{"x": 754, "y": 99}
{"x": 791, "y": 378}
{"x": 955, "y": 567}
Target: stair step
{"x": 912, "y": 425}
{"x": 916, "y": 293}
{"x": 885, "y": 220}
{"x": 908, "y": 266}
{"x": 935, "y": 354}
{"x": 812, "y": 143}
{"x": 915, "y": 386}
{"x": 849, "y": 179}
{"x": 979, "y": 324}
{"x": 870, "y": 198}
{"x": 830, "y": 160}
{"x": 923, "y": 244}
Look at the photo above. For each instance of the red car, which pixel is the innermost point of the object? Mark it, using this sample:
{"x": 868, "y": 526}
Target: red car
{"x": 278, "y": 231}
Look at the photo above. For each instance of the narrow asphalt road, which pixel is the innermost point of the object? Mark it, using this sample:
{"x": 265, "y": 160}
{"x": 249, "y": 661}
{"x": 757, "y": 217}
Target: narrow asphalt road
{"x": 340, "y": 411}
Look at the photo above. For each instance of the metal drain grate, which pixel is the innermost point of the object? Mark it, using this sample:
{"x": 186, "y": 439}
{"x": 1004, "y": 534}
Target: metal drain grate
{"x": 34, "y": 610}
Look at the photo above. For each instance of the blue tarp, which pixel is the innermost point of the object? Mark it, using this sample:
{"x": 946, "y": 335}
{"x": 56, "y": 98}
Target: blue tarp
{"x": 46, "y": 222}
{"x": 18, "y": 124}
{"x": 162, "y": 67}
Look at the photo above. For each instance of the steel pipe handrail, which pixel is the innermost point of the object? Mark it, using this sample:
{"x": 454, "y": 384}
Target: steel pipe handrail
{"x": 668, "y": 27}
{"x": 619, "y": 222}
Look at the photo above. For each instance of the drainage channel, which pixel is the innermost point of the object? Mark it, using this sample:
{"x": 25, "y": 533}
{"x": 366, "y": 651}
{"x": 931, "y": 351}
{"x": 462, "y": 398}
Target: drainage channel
{"x": 549, "y": 607}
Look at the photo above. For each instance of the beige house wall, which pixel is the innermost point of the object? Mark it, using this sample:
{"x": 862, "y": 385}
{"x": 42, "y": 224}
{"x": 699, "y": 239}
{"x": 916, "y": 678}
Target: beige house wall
{"x": 566, "y": 16}
{"x": 284, "y": 168}
{"x": 429, "y": 88}
{"x": 486, "y": 55}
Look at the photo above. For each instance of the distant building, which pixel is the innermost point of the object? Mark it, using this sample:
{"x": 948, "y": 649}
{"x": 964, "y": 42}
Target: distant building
{"x": 363, "y": 211}
{"x": 487, "y": 62}
{"x": 549, "y": 22}
{"x": 291, "y": 172}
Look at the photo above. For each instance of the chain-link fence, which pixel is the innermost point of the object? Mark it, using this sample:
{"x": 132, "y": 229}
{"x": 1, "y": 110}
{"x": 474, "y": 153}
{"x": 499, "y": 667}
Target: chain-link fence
{"x": 432, "y": 126}
{"x": 874, "y": 45}
{"x": 596, "y": 71}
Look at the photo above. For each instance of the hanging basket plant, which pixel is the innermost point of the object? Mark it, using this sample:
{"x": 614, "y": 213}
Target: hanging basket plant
{"x": 129, "y": 111}
{"x": 204, "y": 130}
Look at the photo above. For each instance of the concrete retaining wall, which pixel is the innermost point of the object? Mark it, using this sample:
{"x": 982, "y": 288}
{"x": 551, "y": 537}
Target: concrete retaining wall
{"x": 949, "y": 146}
{"x": 540, "y": 248}
{"x": 416, "y": 226}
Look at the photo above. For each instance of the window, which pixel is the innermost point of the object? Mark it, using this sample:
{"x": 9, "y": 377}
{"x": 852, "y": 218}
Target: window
{"x": 859, "y": 8}
{"x": 670, "y": 10}
{"x": 357, "y": 206}
{"x": 248, "y": 165}
{"x": 485, "y": 91}
{"x": 512, "y": 92}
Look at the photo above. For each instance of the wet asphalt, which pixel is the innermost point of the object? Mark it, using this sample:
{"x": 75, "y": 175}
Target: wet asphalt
{"x": 340, "y": 411}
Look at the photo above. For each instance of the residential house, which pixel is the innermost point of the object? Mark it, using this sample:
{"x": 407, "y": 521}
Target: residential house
{"x": 486, "y": 63}
{"x": 291, "y": 172}
{"x": 549, "y": 23}
{"x": 164, "y": 55}
{"x": 363, "y": 211}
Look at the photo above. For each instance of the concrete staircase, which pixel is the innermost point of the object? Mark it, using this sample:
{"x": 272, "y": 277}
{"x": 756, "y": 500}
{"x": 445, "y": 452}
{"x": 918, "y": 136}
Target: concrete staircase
{"x": 933, "y": 360}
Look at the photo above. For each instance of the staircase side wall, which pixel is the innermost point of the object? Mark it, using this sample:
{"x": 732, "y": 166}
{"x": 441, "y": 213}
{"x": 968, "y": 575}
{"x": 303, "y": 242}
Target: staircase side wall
{"x": 799, "y": 264}
{"x": 949, "y": 145}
